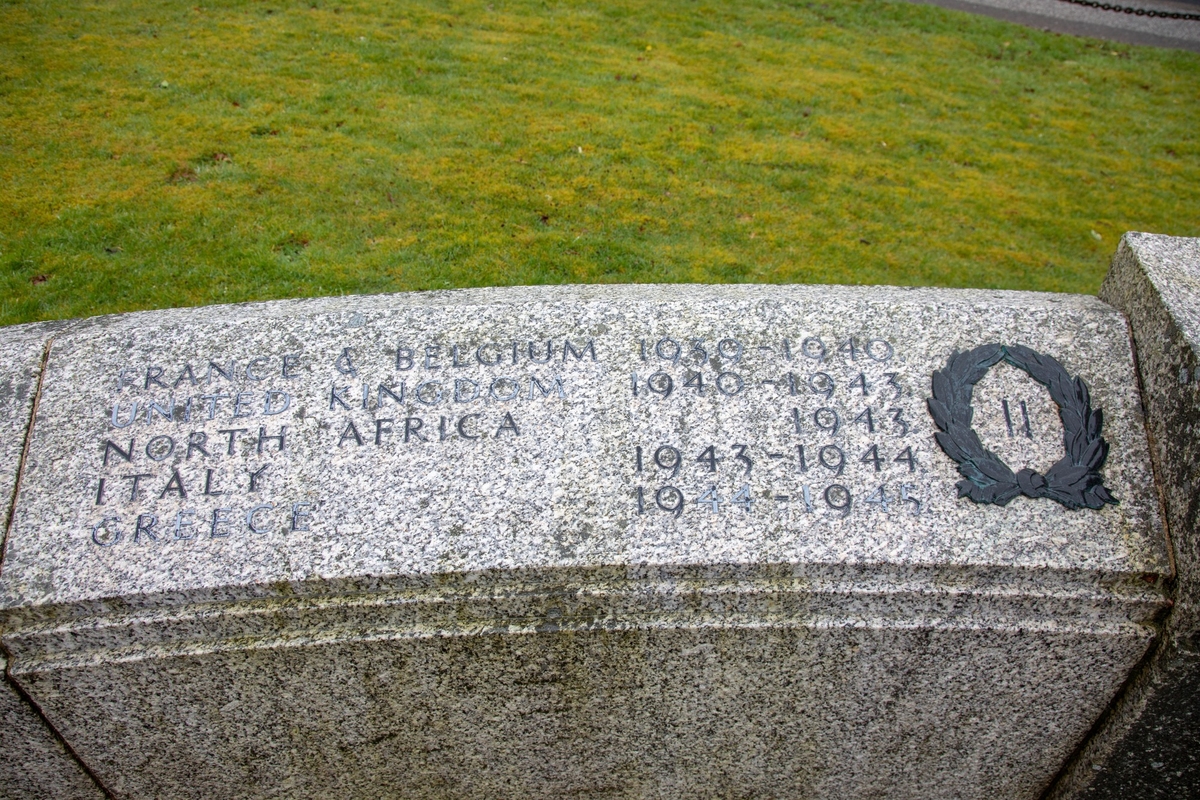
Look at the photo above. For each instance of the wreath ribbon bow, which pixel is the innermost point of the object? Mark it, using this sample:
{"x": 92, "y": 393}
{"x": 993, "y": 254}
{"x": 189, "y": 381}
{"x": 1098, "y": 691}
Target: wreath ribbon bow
{"x": 1074, "y": 481}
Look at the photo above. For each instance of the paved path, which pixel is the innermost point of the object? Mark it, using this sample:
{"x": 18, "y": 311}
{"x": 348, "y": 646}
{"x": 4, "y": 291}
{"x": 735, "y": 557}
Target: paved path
{"x": 1062, "y": 17}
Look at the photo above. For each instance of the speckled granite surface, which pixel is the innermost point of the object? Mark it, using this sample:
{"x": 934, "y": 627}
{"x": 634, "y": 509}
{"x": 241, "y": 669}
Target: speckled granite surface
{"x": 1150, "y": 746}
{"x": 33, "y": 763}
{"x": 552, "y": 541}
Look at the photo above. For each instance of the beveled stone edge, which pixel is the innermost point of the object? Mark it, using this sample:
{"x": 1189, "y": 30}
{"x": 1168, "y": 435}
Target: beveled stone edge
{"x": 608, "y": 599}
{"x": 10, "y": 492}
{"x": 882, "y": 294}
{"x": 1131, "y": 287}
{"x": 87, "y": 784}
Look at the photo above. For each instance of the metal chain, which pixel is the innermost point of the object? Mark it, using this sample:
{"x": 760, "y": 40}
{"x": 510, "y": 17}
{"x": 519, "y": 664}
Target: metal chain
{"x": 1141, "y": 12}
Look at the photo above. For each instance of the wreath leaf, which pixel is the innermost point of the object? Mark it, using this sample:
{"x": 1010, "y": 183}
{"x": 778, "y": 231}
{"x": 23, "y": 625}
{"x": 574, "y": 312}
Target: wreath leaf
{"x": 939, "y": 412}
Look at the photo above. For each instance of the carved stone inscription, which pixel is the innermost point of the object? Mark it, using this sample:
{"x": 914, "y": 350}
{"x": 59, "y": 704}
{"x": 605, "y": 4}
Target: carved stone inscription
{"x": 425, "y": 435}
{"x": 845, "y": 441}
{"x": 201, "y": 439}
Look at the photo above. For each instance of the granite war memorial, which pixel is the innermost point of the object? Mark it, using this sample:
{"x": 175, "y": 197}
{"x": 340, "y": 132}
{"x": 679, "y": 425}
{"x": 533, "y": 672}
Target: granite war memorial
{"x": 618, "y": 541}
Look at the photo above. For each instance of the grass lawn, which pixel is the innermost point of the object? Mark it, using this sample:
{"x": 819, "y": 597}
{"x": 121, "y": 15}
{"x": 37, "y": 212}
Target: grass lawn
{"x": 157, "y": 154}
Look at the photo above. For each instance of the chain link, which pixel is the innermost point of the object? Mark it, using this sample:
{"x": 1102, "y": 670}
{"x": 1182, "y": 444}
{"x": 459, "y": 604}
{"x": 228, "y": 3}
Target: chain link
{"x": 1141, "y": 12}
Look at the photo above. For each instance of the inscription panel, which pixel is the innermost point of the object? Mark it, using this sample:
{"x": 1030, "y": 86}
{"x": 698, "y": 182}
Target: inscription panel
{"x": 452, "y": 432}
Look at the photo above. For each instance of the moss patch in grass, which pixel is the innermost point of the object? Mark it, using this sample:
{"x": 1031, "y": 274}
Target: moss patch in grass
{"x": 156, "y": 155}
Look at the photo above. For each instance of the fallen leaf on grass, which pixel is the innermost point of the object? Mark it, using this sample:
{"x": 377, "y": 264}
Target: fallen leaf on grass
{"x": 182, "y": 174}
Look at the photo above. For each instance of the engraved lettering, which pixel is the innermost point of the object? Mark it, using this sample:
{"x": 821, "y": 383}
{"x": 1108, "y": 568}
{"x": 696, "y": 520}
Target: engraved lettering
{"x": 345, "y": 363}
{"x": 508, "y": 424}
{"x": 557, "y": 386}
{"x": 208, "y": 483}
{"x": 290, "y": 362}
{"x": 301, "y": 516}
{"x": 673, "y": 463}
{"x": 212, "y": 402}
{"x": 836, "y": 490}
{"x": 250, "y": 373}
{"x": 167, "y": 412}
{"x": 736, "y": 353}
{"x": 813, "y": 348}
{"x": 160, "y": 448}
{"x": 220, "y": 517}
{"x": 241, "y": 404}
{"x": 133, "y": 409}
{"x": 589, "y": 348}
{"x": 152, "y": 376}
{"x": 398, "y": 399}
{"x": 462, "y": 383}
{"x": 111, "y": 536}
{"x": 174, "y": 486}
{"x": 516, "y": 389}
{"x": 730, "y": 383}
{"x": 549, "y": 353}
{"x": 276, "y": 402}
{"x": 214, "y": 366}
{"x": 233, "y": 432}
{"x": 826, "y": 459}
{"x": 672, "y": 353}
{"x": 437, "y": 398}
{"x": 253, "y": 513}
{"x": 135, "y": 480}
{"x": 263, "y": 437}
{"x": 185, "y": 375}
{"x": 145, "y": 524}
{"x": 412, "y": 427}
{"x": 485, "y": 362}
{"x": 337, "y": 395}
{"x": 187, "y": 514}
{"x": 196, "y": 441}
{"x": 256, "y": 476}
{"x": 111, "y": 446}
{"x": 350, "y": 432}
{"x": 462, "y": 426}
{"x": 879, "y": 354}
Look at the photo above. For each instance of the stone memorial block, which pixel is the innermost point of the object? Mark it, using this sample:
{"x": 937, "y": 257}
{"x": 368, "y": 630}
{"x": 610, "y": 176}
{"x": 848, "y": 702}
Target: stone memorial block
{"x": 630, "y": 541}
{"x": 33, "y": 762}
{"x": 1150, "y": 746}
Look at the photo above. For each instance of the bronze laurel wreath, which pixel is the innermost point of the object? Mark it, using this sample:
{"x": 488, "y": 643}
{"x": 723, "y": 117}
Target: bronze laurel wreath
{"x": 1074, "y": 481}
